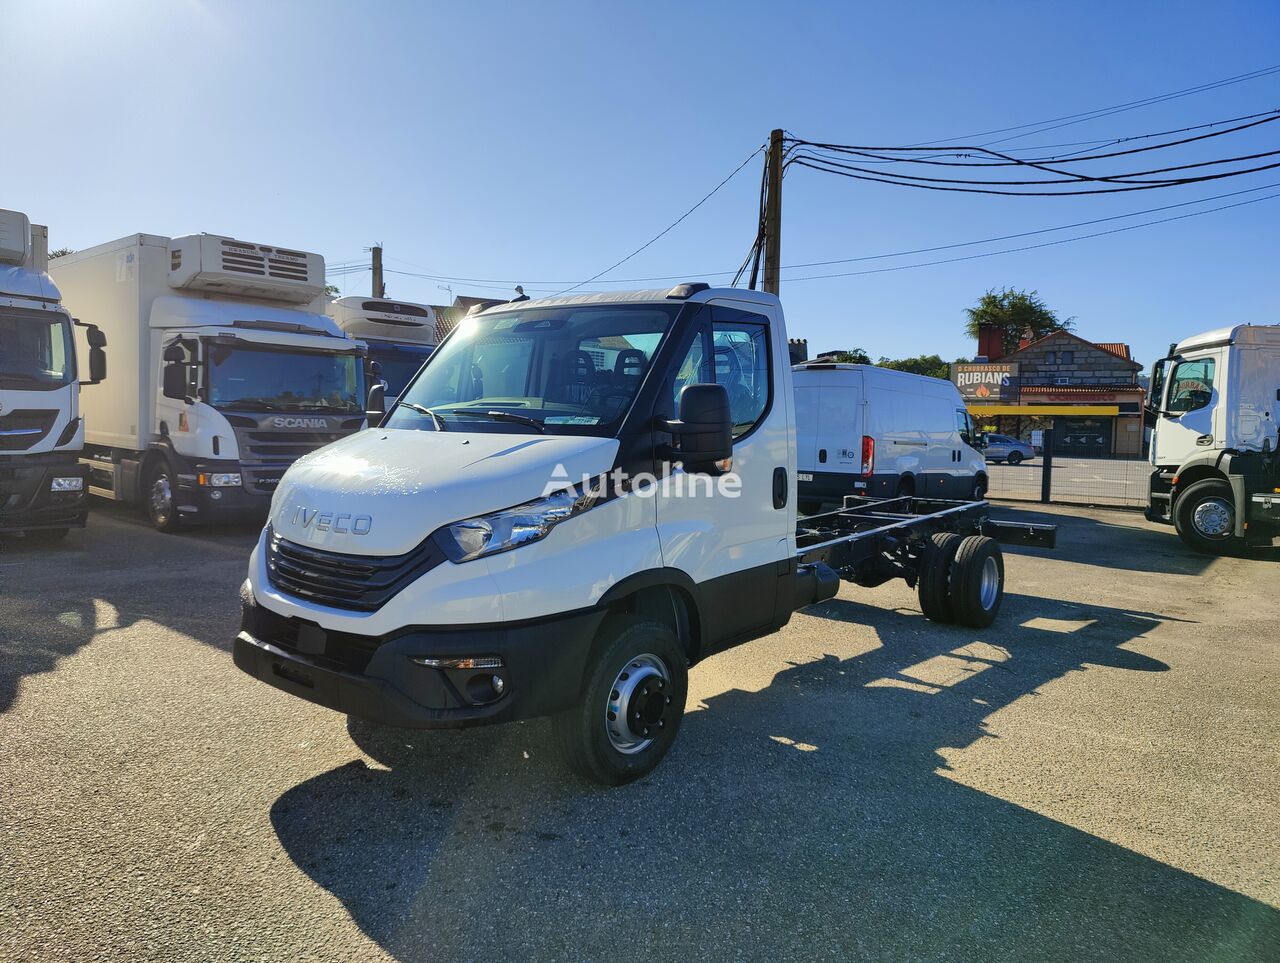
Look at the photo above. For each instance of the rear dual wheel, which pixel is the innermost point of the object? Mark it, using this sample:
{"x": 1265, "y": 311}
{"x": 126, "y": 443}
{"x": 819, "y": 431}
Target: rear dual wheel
{"x": 961, "y": 580}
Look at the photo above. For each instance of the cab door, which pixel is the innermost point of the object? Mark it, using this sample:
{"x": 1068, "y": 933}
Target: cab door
{"x": 734, "y": 535}
{"x": 1186, "y": 423}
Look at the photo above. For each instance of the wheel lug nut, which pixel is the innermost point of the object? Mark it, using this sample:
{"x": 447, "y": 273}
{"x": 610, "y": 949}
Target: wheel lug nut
{"x": 613, "y": 717}
{"x": 668, "y": 700}
{"x": 624, "y": 677}
{"x": 646, "y": 730}
{"x": 614, "y": 695}
{"x": 662, "y": 723}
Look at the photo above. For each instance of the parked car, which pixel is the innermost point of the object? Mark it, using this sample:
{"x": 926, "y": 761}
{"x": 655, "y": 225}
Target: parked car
{"x": 1008, "y": 450}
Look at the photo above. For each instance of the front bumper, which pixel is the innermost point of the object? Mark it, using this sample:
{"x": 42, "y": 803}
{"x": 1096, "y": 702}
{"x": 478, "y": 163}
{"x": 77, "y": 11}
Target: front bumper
{"x": 204, "y": 503}
{"x": 375, "y": 678}
{"x": 27, "y": 504}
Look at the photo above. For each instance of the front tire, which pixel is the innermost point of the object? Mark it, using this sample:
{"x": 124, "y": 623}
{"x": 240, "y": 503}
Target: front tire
{"x": 1205, "y": 517}
{"x": 632, "y": 705}
{"x": 159, "y": 493}
{"x": 1015, "y": 458}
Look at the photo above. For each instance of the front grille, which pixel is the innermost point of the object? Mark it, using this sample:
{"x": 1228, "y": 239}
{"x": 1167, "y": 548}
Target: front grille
{"x": 362, "y": 583}
{"x": 344, "y": 651}
{"x": 283, "y": 445}
{"x": 23, "y": 428}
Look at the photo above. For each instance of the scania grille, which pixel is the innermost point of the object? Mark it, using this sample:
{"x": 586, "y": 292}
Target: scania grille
{"x": 284, "y": 445}
{"x": 362, "y": 583}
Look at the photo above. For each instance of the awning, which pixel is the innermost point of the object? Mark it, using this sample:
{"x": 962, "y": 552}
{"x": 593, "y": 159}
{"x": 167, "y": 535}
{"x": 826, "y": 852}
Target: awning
{"x": 978, "y": 410}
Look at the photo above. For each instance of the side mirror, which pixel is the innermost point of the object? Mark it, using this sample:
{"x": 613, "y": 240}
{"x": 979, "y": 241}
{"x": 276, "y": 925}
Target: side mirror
{"x": 175, "y": 381}
{"x": 174, "y": 354}
{"x": 97, "y": 363}
{"x": 983, "y": 440}
{"x": 375, "y": 370}
{"x": 377, "y": 404}
{"x": 705, "y": 428}
{"x": 95, "y": 337}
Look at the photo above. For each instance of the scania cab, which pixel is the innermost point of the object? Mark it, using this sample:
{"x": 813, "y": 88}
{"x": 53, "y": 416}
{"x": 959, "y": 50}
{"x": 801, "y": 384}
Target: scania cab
{"x": 42, "y": 485}
{"x": 1215, "y": 406}
{"x": 571, "y": 503}
{"x": 225, "y": 370}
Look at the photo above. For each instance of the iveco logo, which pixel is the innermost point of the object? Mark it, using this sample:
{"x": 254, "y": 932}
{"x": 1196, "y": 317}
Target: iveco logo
{"x": 299, "y": 423}
{"x": 330, "y": 522}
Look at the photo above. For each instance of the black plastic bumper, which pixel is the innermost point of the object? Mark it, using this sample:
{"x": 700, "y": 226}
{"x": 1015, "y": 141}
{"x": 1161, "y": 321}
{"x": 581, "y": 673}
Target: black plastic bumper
{"x": 543, "y": 668}
{"x": 27, "y": 504}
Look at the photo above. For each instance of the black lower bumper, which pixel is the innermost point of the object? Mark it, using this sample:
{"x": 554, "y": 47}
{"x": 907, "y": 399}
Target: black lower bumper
{"x": 542, "y": 671}
{"x": 204, "y": 503}
{"x": 26, "y": 501}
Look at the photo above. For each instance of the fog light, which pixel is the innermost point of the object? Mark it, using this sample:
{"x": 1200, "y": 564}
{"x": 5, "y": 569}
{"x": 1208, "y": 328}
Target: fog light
{"x": 498, "y": 684}
{"x": 220, "y": 479}
{"x": 75, "y": 484}
{"x": 468, "y": 662}
{"x": 214, "y": 496}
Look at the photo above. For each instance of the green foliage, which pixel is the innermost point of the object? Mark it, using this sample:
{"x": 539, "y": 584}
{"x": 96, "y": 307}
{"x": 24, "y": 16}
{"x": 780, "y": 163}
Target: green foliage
{"x": 332, "y": 290}
{"x": 1013, "y": 313}
{"x": 929, "y": 365}
{"x": 61, "y": 252}
{"x": 850, "y": 356}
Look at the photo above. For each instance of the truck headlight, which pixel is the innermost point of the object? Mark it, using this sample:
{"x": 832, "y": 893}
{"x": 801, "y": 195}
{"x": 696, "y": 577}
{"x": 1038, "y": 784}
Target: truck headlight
{"x": 513, "y": 527}
{"x": 73, "y": 484}
{"x": 220, "y": 479}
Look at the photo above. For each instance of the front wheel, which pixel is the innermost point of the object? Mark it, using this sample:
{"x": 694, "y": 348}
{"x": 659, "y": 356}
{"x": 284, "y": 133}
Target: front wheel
{"x": 160, "y": 497}
{"x": 1015, "y": 458}
{"x": 1205, "y": 517}
{"x": 630, "y": 710}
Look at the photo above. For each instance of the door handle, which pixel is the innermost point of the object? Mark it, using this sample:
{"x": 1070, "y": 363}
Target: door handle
{"x": 779, "y": 488}
{"x": 1205, "y": 440}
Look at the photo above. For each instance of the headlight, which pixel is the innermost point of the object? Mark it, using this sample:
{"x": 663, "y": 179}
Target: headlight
{"x": 513, "y": 527}
{"x": 221, "y": 479}
{"x": 75, "y": 484}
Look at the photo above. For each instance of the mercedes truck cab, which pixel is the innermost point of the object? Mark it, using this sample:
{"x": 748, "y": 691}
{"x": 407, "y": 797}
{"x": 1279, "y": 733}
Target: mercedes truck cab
{"x": 225, "y": 370}
{"x": 1214, "y": 404}
{"x": 42, "y": 484}
{"x": 400, "y": 336}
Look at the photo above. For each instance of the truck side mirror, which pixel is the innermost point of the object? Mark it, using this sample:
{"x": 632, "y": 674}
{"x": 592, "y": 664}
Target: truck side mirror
{"x": 175, "y": 381}
{"x": 705, "y": 428}
{"x": 97, "y": 356}
{"x": 375, "y": 370}
{"x": 174, "y": 354}
{"x": 377, "y": 404}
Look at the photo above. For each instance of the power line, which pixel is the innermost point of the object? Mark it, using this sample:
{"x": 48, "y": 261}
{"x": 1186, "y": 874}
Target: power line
{"x": 669, "y": 227}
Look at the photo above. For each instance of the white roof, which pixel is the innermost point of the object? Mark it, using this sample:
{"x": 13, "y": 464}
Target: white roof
{"x": 637, "y": 297}
{"x": 20, "y": 282}
{"x": 175, "y": 311}
{"x": 1247, "y": 333}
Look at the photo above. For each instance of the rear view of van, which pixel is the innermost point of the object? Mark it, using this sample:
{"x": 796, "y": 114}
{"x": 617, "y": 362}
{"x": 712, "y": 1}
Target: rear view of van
{"x": 864, "y": 430}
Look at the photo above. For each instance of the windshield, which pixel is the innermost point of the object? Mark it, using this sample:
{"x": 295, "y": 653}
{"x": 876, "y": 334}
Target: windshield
{"x": 399, "y": 363}
{"x": 35, "y": 350}
{"x": 280, "y": 379}
{"x": 572, "y": 369}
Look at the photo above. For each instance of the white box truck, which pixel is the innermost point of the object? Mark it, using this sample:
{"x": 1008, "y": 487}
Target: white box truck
{"x": 573, "y": 502}
{"x": 1215, "y": 447}
{"x": 223, "y": 371}
{"x": 864, "y": 430}
{"x": 400, "y": 336}
{"x": 42, "y": 484}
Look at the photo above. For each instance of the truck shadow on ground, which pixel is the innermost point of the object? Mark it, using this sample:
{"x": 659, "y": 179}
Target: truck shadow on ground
{"x": 812, "y": 818}
{"x": 46, "y": 616}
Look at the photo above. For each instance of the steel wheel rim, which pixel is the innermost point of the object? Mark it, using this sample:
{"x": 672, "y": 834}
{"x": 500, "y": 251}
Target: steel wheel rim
{"x": 1213, "y": 518}
{"x": 161, "y": 499}
{"x": 639, "y": 704}
{"x": 990, "y": 586}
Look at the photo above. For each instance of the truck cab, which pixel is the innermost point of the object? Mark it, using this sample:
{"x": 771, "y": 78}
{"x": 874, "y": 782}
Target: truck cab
{"x": 573, "y": 501}
{"x": 227, "y": 371}
{"x": 1214, "y": 405}
{"x": 400, "y": 336}
{"x": 42, "y": 485}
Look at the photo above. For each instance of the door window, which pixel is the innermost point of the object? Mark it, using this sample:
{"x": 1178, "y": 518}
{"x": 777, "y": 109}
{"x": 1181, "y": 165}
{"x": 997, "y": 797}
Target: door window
{"x": 740, "y": 351}
{"x": 963, "y": 426}
{"x": 1191, "y": 385}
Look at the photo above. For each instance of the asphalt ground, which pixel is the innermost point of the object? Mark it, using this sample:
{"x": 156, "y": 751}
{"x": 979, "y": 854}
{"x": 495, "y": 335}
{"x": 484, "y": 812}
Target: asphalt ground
{"x": 1097, "y": 776}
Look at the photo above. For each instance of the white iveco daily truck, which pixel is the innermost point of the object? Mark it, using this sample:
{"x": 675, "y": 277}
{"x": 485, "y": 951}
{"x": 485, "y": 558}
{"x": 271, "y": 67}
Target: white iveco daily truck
{"x": 42, "y": 484}
{"x": 1215, "y": 447}
{"x": 400, "y": 336}
{"x": 223, "y": 372}
{"x": 573, "y": 501}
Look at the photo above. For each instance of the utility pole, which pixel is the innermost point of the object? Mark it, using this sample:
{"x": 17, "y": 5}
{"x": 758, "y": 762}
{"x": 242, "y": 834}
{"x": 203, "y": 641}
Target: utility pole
{"x": 773, "y": 215}
{"x": 379, "y": 289}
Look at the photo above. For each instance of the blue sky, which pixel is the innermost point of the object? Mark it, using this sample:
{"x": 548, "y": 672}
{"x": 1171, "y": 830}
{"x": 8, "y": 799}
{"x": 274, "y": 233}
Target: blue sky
{"x": 543, "y": 142}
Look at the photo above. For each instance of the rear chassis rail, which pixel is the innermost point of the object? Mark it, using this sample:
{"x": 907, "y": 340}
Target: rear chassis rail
{"x": 872, "y": 540}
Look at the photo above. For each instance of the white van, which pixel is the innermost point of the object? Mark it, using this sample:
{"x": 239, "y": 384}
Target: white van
{"x": 863, "y": 430}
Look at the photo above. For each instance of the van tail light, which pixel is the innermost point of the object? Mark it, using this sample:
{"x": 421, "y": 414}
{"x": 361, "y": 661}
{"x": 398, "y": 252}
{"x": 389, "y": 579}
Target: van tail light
{"x": 868, "y": 454}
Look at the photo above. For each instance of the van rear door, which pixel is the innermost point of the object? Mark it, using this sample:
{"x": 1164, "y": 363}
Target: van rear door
{"x": 840, "y": 417}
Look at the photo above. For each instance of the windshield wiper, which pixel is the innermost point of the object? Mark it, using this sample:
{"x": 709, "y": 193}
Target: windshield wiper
{"x": 433, "y": 415}
{"x": 502, "y": 416}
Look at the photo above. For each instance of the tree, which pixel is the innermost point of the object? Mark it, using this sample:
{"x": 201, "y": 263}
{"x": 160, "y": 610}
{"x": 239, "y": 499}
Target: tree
{"x": 929, "y": 365}
{"x": 1014, "y": 313}
{"x": 849, "y": 356}
{"x": 61, "y": 252}
{"x": 332, "y": 290}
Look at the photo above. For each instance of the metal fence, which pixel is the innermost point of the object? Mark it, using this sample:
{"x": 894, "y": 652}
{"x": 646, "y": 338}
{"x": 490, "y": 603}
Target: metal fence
{"x": 1066, "y": 479}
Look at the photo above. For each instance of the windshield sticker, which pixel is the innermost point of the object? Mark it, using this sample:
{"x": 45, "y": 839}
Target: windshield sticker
{"x": 570, "y": 420}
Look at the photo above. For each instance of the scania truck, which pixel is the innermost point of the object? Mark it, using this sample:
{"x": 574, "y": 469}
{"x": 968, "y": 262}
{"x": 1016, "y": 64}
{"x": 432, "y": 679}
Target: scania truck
{"x": 400, "y": 336}
{"x": 1215, "y": 404}
{"x": 42, "y": 485}
{"x": 572, "y": 502}
{"x": 224, "y": 371}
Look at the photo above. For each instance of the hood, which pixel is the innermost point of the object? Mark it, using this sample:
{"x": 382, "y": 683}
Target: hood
{"x": 394, "y": 487}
